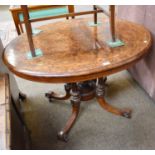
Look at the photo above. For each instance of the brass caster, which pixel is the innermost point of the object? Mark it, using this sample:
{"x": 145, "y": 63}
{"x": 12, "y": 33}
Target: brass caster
{"x": 22, "y": 96}
{"x": 127, "y": 113}
{"x": 62, "y": 136}
{"x": 48, "y": 95}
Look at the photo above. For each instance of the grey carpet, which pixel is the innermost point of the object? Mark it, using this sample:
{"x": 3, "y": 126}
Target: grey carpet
{"x": 95, "y": 128}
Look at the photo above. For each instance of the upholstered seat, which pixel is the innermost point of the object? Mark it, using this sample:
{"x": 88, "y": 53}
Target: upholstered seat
{"x": 45, "y": 13}
{"x": 39, "y": 12}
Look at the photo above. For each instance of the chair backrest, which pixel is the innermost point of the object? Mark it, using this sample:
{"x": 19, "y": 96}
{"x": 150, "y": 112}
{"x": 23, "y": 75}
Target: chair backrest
{"x": 28, "y": 20}
{"x": 39, "y": 11}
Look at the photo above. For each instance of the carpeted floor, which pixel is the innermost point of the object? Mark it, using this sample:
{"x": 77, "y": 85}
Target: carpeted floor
{"x": 95, "y": 128}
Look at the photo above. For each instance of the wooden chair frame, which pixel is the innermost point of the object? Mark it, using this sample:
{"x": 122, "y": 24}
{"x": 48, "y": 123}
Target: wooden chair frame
{"x": 96, "y": 9}
{"x": 15, "y": 11}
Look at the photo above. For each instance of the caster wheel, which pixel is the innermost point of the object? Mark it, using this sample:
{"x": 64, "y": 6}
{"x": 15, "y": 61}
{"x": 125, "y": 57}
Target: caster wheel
{"x": 50, "y": 100}
{"x": 127, "y": 113}
{"x": 62, "y": 136}
{"x": 47, "y": 95}
{"x": 22, "y": 97}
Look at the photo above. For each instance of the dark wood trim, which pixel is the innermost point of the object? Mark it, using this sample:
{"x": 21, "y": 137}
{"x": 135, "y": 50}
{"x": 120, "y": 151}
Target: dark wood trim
{"x": 112, "y": 22}
{"x": 71, "y": 9}
{"x": 95, "y": 14}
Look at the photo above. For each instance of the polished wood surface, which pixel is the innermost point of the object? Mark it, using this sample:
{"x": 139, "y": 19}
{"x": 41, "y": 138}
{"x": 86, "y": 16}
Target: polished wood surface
{"x": 74, "y": 51}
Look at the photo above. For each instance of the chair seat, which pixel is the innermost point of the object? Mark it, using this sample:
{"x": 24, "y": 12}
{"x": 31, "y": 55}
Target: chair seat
{"x": 45, "y": 13}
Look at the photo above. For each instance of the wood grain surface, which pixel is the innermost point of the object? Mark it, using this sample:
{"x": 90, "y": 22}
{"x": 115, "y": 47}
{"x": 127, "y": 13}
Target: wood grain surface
{"x": 74, "y": 51}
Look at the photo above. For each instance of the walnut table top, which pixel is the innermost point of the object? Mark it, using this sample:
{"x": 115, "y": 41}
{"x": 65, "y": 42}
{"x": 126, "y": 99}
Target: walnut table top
{"x": 75, "y": 51}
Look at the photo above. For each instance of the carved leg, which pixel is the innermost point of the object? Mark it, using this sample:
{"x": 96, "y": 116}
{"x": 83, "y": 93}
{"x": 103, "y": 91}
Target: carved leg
{"x": 75, "y": 101}
{"x": 22, "y": 96}
{"x": 100, "y": 97}
{"x": 52, "y": 95}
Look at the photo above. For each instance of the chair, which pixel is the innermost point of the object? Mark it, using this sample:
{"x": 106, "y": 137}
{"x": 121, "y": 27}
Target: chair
{"x": 38, "y": 11}
{"x": 27, "y": 20}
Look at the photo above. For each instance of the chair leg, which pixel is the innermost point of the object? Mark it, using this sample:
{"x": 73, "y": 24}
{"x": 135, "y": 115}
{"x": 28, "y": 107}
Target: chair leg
{"x": 16, "y": 21}
{"x": 95, "y": 14}
{"x": 71, "y": 10}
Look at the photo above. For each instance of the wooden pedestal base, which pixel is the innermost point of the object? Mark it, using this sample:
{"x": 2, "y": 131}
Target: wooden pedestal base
{"x": 84, "y": 91}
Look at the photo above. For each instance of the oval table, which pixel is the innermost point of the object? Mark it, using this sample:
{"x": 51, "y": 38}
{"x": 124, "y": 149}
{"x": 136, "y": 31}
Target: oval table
{"x": 76, "y": 53}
